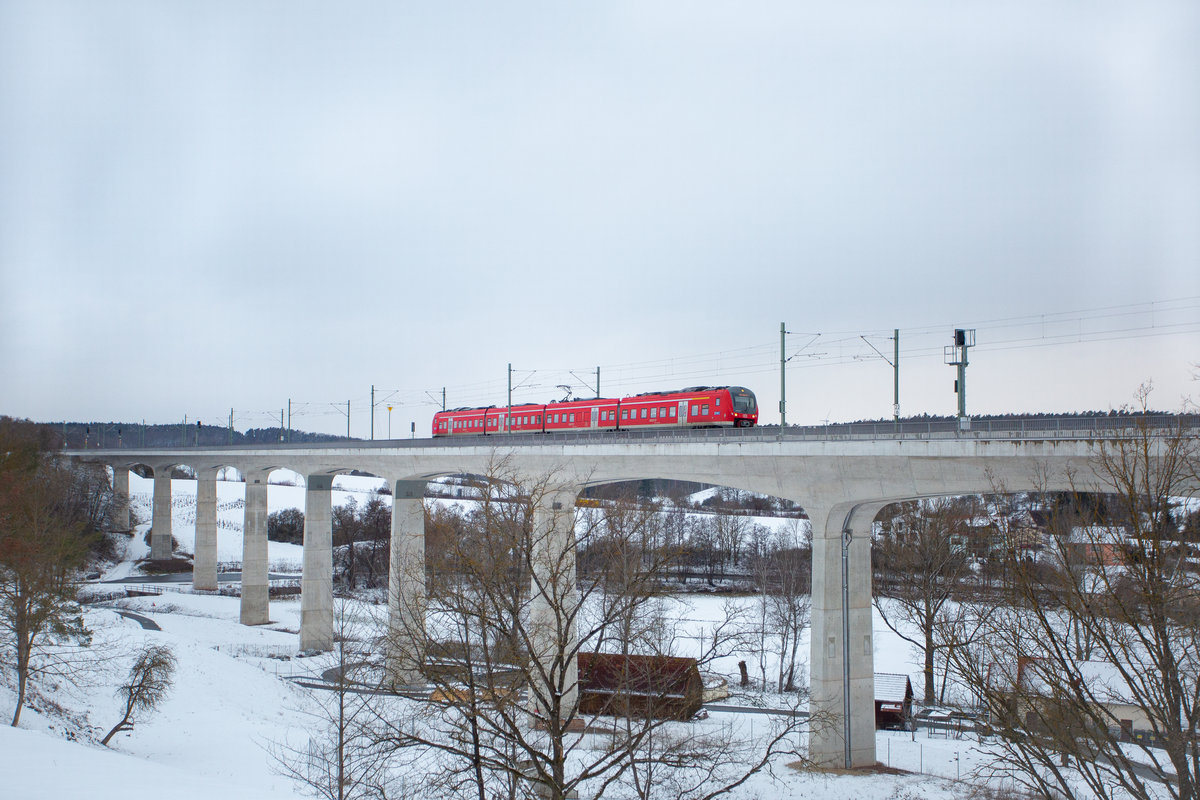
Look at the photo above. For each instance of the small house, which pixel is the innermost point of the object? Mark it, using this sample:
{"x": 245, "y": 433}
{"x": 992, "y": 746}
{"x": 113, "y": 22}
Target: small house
{"x": 893, "y": 700}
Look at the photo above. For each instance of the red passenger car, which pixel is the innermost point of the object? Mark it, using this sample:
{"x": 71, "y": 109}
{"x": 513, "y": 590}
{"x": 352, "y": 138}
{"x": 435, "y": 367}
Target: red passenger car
{"x": 695, "y": 407}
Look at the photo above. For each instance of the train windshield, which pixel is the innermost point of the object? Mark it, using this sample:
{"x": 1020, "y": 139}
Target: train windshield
{"x": 743, "y": 401}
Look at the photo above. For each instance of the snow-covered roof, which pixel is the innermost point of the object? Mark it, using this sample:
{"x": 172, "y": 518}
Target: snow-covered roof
{"x": 1103, "y": 680}
{"x": 1097, "y": 535}
{"x": 891, "y": 688}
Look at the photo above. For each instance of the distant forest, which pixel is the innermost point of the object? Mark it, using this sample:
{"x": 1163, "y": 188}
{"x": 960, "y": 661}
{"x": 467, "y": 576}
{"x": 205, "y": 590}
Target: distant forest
{"x": 126, "y": 434}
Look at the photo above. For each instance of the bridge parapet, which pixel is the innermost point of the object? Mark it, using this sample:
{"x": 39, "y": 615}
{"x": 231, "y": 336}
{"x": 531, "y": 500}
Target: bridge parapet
{"x": 1056, "y": 428}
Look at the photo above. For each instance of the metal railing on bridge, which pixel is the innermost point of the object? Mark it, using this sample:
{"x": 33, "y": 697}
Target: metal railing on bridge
{"x": 1067, "y": 427}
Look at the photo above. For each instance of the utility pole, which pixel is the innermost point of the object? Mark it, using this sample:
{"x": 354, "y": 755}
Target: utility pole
{"x": 389, "y": 422}
{"x": 896, "y": 371}
{"x": 281, "y": 428}
{"x": 956, "y": 355}
{"x": 197, "y": 433}
{"x": 289, "y": 425}
{"x": 508, "y": 418}
{"x": 444, "y": 393}
{"x": 347, "y": 419}
{"x": 183, "y": 432}
{"x": 230, "y": 428}
{"x": 597, "y": 383}
{"x": 373, "y": 413}
{"x": 144, "y": 430}
{"x": 782, "y": 377}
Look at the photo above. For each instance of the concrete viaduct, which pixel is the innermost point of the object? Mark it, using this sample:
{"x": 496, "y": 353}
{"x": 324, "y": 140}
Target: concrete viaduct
{"x": 842, "y": 483}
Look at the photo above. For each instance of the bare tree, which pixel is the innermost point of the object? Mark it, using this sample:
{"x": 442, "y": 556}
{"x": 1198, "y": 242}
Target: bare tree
{"x": 340, "y": 758}
{"x": 150, "y": 679}
{"x": 783, "y": 572}
{"x": 789, "y": 605}
{"x": 920, "y": 566}
{"x": 506, "y": 723}
{"x": 43, "y": 543}
{"x": 1126, "y": 722}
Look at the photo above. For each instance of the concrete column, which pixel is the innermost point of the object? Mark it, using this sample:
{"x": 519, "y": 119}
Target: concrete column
{"x": 160, "y": 517}
{"x": 120, "y": 517}
{"x": 254, "y": 552}
{"x": 204, "y": 563}
{"x": 406, "y": 584}
{"x": 827, "y": 744}
{"x": 553, "y": 602}
{"x": 316, "y": 585}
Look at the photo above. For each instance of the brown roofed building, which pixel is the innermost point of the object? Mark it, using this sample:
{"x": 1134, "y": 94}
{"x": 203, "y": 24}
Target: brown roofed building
{"x": 639, "y": 686}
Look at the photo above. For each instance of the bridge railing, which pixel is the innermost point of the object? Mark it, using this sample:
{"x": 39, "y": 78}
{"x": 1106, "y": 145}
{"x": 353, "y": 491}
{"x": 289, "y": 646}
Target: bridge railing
{"x": 1037, "y": 428}
{"x": 1094, "y": 427}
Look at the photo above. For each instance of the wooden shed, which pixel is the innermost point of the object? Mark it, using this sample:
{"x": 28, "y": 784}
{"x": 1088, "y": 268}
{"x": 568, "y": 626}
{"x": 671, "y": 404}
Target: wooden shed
{"x": 893, "y": 700}
{"x": 641, "y": 686}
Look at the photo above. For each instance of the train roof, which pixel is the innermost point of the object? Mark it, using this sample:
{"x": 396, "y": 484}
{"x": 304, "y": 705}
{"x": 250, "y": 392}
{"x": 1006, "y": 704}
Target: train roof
{"x": 660, "y": 393}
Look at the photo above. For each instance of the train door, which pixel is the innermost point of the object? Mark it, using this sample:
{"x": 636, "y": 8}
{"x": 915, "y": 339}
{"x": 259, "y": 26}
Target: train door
{"x": 683, "y": 404}
{"x": 595, "y": 417}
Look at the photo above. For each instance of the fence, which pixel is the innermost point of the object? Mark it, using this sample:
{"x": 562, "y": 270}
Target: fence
{"x": 280, "y": 661}
{"x": 1035, "y": 428}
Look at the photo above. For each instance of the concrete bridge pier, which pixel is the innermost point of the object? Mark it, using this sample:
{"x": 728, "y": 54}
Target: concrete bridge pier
{"x": 160, "y": 517}
{"x": 833, "y": 636}
{"x": 204, "y": 562}
{"x": 316, "y": 584}
{"x": 120, "y": 518}
{"x": 406, "y": 584}
{"x": 255, "y": 609}
{"x": 553, "y": 603}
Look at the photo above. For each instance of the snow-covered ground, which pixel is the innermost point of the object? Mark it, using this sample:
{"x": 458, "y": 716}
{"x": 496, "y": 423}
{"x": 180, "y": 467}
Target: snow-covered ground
{"x": 231, "y": 500}
{"x": 231, "y": 701}
{"x": 234, "y": 696}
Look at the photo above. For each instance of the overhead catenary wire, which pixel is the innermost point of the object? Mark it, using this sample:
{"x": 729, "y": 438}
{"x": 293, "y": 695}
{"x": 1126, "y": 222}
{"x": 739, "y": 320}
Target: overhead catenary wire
{"x": 1159, "y": 318}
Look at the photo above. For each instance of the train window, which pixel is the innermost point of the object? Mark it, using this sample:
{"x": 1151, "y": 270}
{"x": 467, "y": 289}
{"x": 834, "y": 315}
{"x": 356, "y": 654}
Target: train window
{"x": 624, "y": 413}
{"x": 718, "y": 402}
{"x": 704, "y": 410}
{"x": 572, "y": 416}
{"x": 654, "y": 413}
{"x": 664, "y": 413}
{"x": 538, "y": 419}
{"x": 695, "y": 410}
{"x": 643, "y": 413}
{"x": 672, "y": 411}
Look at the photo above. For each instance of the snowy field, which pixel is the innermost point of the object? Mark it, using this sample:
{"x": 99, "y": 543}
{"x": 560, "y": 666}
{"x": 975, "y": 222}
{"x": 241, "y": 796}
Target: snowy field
{"x": 234, "y": 694}
{"x": 231, "y": 701}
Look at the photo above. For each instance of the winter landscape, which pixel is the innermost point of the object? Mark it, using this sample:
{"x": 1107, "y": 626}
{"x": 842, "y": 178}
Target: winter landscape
{"x": 236, "y": 695}
{"x": 937, "y": 259}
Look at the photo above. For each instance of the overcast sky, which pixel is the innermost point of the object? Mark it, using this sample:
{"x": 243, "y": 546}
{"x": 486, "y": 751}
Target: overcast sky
{"x": 214, "y": 205}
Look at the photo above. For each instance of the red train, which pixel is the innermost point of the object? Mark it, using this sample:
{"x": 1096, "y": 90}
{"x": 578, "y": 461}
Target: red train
{"x": 694, "y": 407}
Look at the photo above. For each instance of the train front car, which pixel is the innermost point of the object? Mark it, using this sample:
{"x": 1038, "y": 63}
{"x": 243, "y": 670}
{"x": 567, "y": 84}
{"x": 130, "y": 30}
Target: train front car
{"x": 745, "y": 407}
